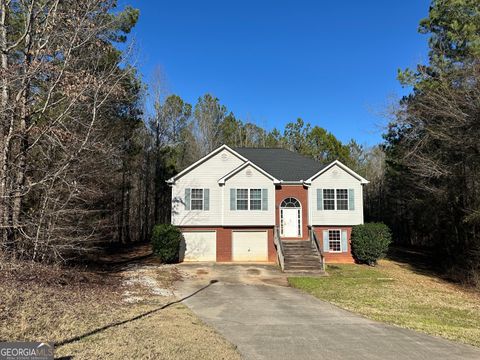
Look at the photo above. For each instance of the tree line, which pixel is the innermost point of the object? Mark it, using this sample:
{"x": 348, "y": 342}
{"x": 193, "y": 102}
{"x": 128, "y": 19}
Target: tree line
{"x": 83, "y": 163}
{"x": 431, "y": 193}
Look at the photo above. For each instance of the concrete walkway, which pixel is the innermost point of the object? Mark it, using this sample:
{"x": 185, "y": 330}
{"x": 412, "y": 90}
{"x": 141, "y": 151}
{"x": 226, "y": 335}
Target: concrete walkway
{"x": 254, "y": 309}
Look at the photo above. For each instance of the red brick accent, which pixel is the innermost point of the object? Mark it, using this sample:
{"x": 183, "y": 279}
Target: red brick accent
{"x": 344, "y": 257}
{"x": 224, "y": 244}
{"x": 298, "y": 192}
{"x": 224, "y": 241}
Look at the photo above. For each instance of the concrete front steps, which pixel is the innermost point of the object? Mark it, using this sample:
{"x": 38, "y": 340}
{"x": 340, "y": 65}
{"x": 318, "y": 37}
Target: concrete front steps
{"x": 301, "y": 257}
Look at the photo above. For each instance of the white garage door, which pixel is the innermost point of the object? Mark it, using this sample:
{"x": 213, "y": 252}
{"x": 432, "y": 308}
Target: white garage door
{"x": 200, "y": 245}
{"x": 250, "y": 246}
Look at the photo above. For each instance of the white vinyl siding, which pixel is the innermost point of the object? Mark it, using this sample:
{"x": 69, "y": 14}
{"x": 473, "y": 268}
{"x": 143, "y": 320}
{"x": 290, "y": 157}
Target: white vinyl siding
{"x": 204, "y": 176}
{"x": 263, "y": 211}
{"x": 334, "y": 179}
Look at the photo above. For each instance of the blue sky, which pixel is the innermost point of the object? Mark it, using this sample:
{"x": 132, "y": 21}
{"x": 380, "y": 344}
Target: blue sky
{"x": 332, "y": 63}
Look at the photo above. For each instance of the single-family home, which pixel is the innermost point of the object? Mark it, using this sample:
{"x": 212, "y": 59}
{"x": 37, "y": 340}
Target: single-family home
{"x": 267, "y": 205}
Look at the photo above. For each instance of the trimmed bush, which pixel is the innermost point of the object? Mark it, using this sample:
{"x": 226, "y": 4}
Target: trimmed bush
{"x": 370, "y": 242}
{"x": 166, "y": 240}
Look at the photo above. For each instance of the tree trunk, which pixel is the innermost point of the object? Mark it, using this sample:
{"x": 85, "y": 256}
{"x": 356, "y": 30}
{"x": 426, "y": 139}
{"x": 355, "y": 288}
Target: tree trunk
{"x": 122, "y": 208}
{"x": 147, "y": 197}
{"x": 4, "y": 126}
{"x": 23, "y": 125}
{"x": 126, "y": 231}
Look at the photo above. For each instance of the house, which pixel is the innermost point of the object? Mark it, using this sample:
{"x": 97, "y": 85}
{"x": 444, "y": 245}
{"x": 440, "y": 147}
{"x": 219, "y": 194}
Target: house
{"x": 266, "y": 205}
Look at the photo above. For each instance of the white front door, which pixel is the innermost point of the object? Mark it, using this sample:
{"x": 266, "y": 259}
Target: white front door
{"x": 290, "y": 222}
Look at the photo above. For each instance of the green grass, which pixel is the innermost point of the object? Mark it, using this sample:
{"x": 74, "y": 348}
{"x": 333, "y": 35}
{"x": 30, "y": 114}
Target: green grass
{"x": 394, "y": 293}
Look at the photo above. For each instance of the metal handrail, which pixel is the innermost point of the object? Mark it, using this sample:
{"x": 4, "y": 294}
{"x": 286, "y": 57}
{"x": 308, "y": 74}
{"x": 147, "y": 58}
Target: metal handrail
{"x": 279, "y": 246}
{"x": 314, "y": 240}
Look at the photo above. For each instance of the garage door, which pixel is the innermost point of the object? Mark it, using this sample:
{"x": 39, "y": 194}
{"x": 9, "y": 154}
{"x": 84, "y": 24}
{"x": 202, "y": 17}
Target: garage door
{"x": 250, "y": 246}
{"x": 200, "y": 246}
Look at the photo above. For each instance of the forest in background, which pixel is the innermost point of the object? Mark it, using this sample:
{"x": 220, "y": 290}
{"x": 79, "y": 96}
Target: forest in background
{"x": 83, "y": 164}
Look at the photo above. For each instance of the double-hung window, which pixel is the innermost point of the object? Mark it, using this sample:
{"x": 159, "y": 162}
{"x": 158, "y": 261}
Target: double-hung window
{"x": 334, "y": 240}
{"x": 249, "y": 199}
{"x": 255, "y": 199}
{"x": 342, "y": 199}
{"x": 242, "y": 199}
{"x": 196, "y": 199}
{"x": 335, "y": 199}
{"x": 329, "y": 199}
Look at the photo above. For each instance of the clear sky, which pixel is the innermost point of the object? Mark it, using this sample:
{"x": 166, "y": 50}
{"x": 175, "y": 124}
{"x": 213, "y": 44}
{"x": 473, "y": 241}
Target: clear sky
{"x": 332, "y": 63}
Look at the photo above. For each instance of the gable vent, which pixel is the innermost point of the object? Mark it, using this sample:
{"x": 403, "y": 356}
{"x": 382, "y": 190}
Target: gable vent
{"x": 249, "y": 173}
{"x": 224, "y": 157}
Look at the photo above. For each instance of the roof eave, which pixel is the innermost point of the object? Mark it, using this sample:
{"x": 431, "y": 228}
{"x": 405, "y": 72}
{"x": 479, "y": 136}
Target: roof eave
{"x": 224, "y": 178}
{"x": 206, "y": 157}
{"x": 341, "y": 165}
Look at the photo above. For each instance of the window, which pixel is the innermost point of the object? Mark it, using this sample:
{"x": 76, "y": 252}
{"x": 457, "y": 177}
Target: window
{"x": 249, "y": 199}
{"x": 290, "y": 203}
{"x": 197, "y": 199}
{"x": 299, "y": 222}
{"x": 334, "y": 241}
{"x": 335, "y": 199}
{"x": 328, "y": 199}
{"x": 255, "y": 199}
{"x": 242, "y": 199}
{"x": 342, "y": 199}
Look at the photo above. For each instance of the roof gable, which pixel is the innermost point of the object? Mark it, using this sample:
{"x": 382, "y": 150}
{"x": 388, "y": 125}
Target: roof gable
{"x": 243, "y": 166}
{"x": 203, "y": 159}
{"x": 343, "y": 167}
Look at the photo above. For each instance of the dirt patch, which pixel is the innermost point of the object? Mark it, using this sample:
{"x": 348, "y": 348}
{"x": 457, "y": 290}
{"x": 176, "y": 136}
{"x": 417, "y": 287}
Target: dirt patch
{"x": 253, "y": 272}
{"x": 141, "y": 281}
{"x": 233, "y": 274}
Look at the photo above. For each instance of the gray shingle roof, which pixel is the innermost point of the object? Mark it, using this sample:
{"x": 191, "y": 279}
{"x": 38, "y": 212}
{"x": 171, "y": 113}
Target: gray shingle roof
{"x": 282, "y": 164}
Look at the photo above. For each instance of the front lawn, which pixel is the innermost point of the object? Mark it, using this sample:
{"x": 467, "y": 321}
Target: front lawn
{"x": 398, "y": 294}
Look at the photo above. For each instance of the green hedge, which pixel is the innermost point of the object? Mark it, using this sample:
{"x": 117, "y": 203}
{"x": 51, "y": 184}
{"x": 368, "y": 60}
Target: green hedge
{"x": 370, "y": 242}
{"x": 166, "y": 240}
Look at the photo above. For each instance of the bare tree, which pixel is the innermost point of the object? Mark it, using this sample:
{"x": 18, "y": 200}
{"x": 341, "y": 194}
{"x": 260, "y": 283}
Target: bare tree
{"x": 60, "y": 76}
{"x": 209, "y": 115}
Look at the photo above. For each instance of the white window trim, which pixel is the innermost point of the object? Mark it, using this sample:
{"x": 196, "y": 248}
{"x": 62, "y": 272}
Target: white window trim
{"x": 334, "y": 251}
{"x": 191, "y": 199}
{"x": 248, "y": 199}
{"x": 335, "y": 200}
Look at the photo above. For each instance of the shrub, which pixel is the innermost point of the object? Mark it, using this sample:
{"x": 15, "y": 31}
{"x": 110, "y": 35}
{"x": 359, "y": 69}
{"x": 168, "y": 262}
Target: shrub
{"x": 166, "y": 241}
{"x": 370, "y": 242}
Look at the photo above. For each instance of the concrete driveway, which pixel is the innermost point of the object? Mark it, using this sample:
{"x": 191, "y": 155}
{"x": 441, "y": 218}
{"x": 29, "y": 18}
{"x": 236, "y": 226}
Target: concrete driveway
{"x": 253, "y": 307}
